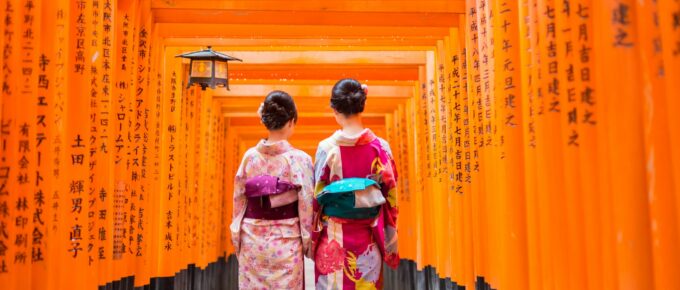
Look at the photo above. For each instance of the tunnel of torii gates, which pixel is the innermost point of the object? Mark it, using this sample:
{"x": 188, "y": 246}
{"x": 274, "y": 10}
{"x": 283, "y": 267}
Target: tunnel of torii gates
{"x": 538, "y": 141}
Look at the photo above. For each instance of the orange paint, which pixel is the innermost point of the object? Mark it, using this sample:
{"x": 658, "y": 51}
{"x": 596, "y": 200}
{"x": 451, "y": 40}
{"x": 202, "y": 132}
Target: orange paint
{"x": 536, "y": 148}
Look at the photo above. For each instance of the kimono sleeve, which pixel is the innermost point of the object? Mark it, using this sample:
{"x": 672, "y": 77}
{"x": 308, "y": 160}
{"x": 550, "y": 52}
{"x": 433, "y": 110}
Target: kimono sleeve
{"x": 305, "y": 197}
{"x": 239, "y": 203}
{"x": 390, "y": 213}
{"x": 321, "y": 179}
{"x": 321, "y": 170}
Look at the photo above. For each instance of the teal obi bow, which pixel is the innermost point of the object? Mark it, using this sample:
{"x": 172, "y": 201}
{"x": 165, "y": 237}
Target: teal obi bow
{"x": 352, "y": 198}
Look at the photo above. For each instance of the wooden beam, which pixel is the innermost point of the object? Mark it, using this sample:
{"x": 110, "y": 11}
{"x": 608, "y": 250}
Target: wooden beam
{"x": 294, "y": 31}
{"x": 355, "y": 19}
{"x": 314, "y": 82}
{"x": 427, "y": 6}
{"x": 364, "y": 43}
{"x": 234, "y": 103}
{"x": 383, "y": 105}
{"x": 249, "y": 90}
{"x": 323, "y": 71}
{"x": 321, "y": 56}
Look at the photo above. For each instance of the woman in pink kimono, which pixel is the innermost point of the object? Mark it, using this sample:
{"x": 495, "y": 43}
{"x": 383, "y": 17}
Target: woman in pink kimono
{"x": 273, "y": 191}
{"x": 355, "y": 203}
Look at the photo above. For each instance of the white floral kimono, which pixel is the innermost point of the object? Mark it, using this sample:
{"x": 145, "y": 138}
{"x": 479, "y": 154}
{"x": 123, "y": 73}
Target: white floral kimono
{"x": 270, "y": 252}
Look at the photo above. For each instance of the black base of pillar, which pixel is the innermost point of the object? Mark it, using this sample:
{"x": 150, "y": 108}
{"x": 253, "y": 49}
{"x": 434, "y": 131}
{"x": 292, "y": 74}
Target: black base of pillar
{"x": 219, "y": 275}
{"x": 223, "y": 275}
{"x": 408, "y": 277}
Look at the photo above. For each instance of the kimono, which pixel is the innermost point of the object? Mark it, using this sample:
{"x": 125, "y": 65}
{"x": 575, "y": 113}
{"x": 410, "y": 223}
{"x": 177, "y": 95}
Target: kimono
{"x": 272, "y": 217}
{"x": 349, "y": 251}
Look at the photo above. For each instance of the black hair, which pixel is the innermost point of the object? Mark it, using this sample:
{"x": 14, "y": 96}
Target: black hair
{"x": 278, "y": 109}
{"x": 348, "y": 97}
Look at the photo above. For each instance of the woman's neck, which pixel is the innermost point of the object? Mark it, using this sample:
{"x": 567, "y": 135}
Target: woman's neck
{"x": 276, "y": 136}
{"x": 353, "y": 125}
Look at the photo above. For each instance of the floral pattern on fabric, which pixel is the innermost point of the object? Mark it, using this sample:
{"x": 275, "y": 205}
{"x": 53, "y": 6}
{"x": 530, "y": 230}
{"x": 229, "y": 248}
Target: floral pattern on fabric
{"x": 330, "y": 257}
{"x": 366, "y": 242}
{"x": 368, "y": 264}
{"x": 270, "y": 252}
{"x": 271, "y": 255}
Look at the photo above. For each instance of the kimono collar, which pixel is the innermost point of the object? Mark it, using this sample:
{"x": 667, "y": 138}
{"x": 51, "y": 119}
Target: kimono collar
{"x": 364, "y": 137}
{"x": 275, "y": 148}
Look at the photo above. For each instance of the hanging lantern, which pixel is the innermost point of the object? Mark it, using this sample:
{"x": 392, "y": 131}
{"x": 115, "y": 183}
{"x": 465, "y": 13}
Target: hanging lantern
{"x": 208, "y": 68}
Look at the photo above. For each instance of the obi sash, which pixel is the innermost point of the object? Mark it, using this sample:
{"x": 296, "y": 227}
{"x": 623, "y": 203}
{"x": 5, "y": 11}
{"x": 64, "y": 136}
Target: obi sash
{"x": 270, "y": 198}
{"x": 351, "y": 198}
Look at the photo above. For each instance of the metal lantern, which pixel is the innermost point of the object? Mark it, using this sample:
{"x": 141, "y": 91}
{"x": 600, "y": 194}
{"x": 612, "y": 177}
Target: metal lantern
{"x": 208, "y": 68}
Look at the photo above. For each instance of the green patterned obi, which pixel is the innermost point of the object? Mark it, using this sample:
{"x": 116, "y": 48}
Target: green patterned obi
{"x": 351, "y": 198}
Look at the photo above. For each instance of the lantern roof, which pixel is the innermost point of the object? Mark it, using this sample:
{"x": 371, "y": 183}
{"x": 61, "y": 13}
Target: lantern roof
{"x": 208, "y": 54}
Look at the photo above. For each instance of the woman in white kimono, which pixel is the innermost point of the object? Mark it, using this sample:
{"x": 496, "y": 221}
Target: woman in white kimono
{"x": 273, "y": 191}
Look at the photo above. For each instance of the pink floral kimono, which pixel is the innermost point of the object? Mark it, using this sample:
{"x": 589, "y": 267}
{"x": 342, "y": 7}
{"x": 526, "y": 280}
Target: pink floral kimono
{"x": 349, "y": 252}
{"x": 272, "y": 218}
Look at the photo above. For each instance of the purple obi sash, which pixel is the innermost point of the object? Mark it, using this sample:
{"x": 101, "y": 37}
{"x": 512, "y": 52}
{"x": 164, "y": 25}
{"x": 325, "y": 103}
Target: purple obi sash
{"x": 270, "y": 198}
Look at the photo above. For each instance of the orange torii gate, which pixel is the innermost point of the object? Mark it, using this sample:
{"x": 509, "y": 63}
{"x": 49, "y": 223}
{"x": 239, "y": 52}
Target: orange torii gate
{"x": 536, "y": 140}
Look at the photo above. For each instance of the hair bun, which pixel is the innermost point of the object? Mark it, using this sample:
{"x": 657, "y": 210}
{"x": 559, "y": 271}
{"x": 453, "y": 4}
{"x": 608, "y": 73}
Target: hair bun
{"x": 277, "y": 110}
{"x": 349, "y": 97}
